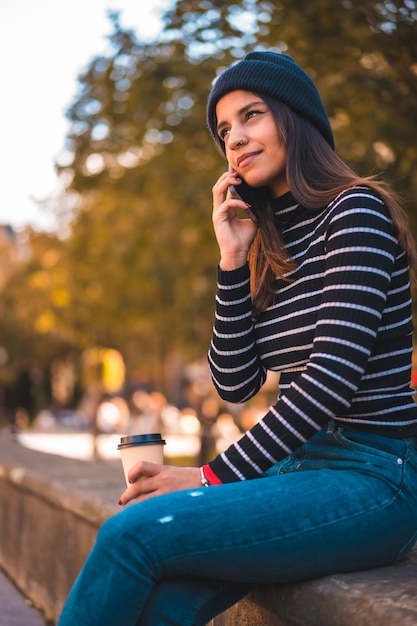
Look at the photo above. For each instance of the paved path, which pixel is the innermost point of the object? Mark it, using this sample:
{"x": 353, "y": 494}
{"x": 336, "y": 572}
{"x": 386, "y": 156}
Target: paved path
{"x": 15, "y": 609}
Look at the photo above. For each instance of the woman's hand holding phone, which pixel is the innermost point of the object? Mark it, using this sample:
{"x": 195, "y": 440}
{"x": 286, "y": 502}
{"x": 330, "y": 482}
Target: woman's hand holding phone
{"x": 234, "y": 234}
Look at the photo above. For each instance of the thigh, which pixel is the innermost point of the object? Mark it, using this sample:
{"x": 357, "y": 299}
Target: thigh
{"x": 280, "y": 528}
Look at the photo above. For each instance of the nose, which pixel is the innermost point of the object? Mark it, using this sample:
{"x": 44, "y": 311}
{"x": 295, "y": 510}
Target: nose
{"x": 236, "y": 139}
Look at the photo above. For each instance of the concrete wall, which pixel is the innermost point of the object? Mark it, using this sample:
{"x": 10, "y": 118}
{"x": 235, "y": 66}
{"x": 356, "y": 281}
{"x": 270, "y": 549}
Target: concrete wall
{"x": 50, "y": 510}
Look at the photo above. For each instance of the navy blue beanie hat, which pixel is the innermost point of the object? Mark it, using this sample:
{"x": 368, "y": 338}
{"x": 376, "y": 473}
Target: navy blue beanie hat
{"x": 275, "y": 75}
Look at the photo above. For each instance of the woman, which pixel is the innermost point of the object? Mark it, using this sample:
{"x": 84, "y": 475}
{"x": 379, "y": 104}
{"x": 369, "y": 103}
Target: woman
{"x": 326, "y": 482}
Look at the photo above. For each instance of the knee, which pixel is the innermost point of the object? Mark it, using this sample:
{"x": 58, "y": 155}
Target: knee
{"x": 122, "y": 527}
{"x": 111, "y": 531}
{"x": 107, "y": 533}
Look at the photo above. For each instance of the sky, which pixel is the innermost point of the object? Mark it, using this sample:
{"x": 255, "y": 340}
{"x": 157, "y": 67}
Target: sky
{"x": 44, "y": 45}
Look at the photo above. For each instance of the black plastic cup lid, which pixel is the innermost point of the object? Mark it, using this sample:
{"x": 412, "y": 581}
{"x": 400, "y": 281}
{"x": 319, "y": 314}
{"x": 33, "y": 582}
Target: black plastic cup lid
{"x": 141, "y": 440}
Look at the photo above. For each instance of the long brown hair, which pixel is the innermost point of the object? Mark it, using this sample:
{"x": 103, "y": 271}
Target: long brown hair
{"x": 315, "y": 175}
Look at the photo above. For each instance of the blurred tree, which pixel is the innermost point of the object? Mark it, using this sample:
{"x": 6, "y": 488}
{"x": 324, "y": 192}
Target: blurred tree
{"x": 142, "y": 241}
{"x": 136, "y": 289}
{"x": 34, "y": 299}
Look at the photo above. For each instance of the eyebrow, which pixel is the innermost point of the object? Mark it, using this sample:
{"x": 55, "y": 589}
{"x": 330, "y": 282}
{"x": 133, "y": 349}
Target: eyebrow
{"x": 241, "y": 111}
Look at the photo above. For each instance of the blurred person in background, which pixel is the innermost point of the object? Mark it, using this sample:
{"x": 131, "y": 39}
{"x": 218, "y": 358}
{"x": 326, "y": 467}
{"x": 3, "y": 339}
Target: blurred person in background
{"x": 20, "y": 395}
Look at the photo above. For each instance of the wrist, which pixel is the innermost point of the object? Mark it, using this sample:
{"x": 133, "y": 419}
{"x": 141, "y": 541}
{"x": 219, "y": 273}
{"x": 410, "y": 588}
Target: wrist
{"x": 229, "y": 263}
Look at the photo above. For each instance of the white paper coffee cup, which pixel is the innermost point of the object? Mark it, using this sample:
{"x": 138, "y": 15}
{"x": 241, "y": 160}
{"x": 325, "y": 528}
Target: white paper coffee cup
{"x": 134, "y": 448}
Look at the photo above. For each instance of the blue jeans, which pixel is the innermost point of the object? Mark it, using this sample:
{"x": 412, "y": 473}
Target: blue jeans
{"x": 344, "y": 501}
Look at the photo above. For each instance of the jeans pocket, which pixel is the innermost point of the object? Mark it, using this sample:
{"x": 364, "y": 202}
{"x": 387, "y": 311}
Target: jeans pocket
{"x": 372, "y": 444}
{"x": 371, "y": 454}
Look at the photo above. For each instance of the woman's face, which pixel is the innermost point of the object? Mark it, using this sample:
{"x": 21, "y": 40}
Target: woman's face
{"x": 253, "y": 146}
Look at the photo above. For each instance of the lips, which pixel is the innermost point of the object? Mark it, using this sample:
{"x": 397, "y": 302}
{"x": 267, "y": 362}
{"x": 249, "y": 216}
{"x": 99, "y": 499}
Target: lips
{"x": 246, "y": 158}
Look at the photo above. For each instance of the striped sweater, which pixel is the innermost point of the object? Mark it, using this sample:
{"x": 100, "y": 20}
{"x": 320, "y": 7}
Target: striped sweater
{"x": 339, "y": 333}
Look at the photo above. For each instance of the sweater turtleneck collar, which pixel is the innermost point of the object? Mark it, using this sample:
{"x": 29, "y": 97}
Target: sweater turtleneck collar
{"x": 286, "y": 210}
{"x": 285, "y": 201}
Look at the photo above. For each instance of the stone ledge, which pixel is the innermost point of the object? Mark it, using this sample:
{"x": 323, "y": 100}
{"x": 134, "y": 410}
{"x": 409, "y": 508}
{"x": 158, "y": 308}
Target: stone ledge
{"x": 382, "y": 597}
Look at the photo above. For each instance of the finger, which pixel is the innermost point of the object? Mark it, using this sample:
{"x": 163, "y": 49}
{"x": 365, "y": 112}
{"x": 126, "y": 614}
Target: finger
{"x": 228, "y": 210}
{"x": 223, "y": 183}
{"x": 139, "y": 490}
{"x": 143, "y": 469}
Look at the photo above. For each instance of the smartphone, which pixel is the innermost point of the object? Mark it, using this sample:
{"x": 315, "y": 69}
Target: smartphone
{"x": 247, "y": 194}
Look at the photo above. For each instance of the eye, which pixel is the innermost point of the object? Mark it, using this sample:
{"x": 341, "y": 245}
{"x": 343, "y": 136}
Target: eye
{"x": 253, "y": 113}
{"x": 223, "y": 133}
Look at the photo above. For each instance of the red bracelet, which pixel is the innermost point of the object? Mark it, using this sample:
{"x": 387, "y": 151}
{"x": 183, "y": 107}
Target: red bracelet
{"x": 209, "y": 476}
